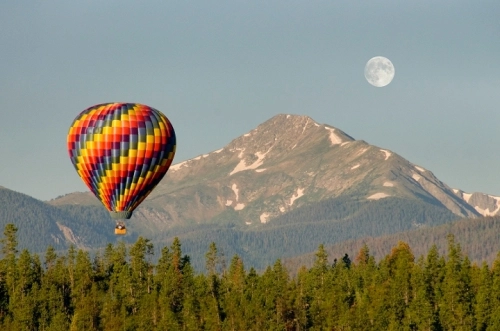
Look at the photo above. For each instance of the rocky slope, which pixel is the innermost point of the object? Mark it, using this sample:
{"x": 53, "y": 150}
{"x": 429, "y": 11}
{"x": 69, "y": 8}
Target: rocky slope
{"x": 287, "y": 162}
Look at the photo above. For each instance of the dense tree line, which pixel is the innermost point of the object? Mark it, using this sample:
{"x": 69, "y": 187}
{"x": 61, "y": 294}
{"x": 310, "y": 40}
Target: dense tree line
{"x": 478, "y": 238}
{"x": 122, "y": 289}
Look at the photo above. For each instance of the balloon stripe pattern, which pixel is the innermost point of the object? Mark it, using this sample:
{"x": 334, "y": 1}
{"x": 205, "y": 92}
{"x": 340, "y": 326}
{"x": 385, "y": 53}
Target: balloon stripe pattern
{"x": 121, "y": 151}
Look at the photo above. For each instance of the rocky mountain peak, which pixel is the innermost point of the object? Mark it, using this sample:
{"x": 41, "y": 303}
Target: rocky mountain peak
{"x": 285, "y": 132}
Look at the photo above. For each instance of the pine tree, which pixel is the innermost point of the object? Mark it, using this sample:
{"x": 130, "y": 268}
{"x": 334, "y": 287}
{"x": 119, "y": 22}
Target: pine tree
{"x": 494, "y": 323}
{"x": 213, "y": 316}
{"x": 170, "y": 283}
{"x": 85, "y": 295}
{"x": 362, "y": 276}
{"x": 433, "y": 278}
{"x": 23, "y": 300}
{"x": 400, "y": 263}
{"x": 482, "y": 304}
{"x": 420, "y": 312}
{"x": 233, "y": 286}
{"x": 9, "y": 251}
{"x": 114, "y": 310}
{"x": 455, "y": 305}
{"x": 318, "y": 288}
{"x": 141, "y": 284}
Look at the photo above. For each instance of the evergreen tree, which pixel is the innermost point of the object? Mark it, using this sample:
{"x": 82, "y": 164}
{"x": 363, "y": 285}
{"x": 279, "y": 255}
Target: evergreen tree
{"x": 400, "y": 263}
{"x": 483, "y": 289}
{"x": 85, "y": 297}
{"x": 455, "y": 301}
{"x": 212, "y": 318}
{"x": 494, "y": 323}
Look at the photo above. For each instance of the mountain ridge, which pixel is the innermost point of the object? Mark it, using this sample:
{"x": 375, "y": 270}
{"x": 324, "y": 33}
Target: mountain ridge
{"x": 274, "y": 191}
{"x": 277, "y": 146}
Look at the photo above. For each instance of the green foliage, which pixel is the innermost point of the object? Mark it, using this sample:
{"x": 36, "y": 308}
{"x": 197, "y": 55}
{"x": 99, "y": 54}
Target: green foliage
{"x": 121, "y": 288}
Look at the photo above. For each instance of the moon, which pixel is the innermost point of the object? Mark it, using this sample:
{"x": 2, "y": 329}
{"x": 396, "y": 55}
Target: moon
{"x": 379, "y": 71}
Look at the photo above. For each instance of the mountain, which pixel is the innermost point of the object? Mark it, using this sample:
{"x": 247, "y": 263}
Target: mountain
{"x": 286, "y": 186}
{"x": 285, "y": 163}
{"x": 40, "y": 224}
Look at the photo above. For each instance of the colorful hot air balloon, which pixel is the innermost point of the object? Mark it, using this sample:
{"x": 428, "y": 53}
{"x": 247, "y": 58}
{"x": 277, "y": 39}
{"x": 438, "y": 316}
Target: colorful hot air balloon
{"x": 121, "y": 151}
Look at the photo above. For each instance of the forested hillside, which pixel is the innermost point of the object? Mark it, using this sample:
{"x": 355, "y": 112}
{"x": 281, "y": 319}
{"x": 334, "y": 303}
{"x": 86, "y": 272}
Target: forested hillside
{"x": 294, "y": 233}
{"x": 478, "y": 237}
{"x": 300, "y": 231}
{"x": 122, "y": 289}
{"x": 41, "y": 224}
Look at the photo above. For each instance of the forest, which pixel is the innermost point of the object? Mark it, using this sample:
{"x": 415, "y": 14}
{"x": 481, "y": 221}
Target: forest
{"x": 121, "y": 288}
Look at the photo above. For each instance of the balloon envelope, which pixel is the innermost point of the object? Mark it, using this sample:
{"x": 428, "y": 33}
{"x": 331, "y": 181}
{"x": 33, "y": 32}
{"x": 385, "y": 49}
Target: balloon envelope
{"x": 121, "y": 151}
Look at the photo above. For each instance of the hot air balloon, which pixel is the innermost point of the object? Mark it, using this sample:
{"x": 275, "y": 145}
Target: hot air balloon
{"x": 121, "y": 151}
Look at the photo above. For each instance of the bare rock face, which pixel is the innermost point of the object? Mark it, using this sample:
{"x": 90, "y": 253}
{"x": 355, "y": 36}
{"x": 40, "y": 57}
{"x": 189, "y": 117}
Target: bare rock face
{"x": 484, "y": 204}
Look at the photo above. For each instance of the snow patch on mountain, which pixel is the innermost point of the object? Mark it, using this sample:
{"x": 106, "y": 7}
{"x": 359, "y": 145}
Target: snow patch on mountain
{"x": 377, "y": 196}
{"x": 197, "y": 158}
{"x": 264, "y": 217}
{"x": 229, "y": 202}
{"x": 416, "y": 177}
{"x": 467, "y": 196}
{"x": 304, "y": 128}
{"x": 298, "y": 194}
{"x": 260, "y": 170}
{"x": 420, "y": 169}
{"x": 218, "y": 151}
{"x": 235, "y": 189}
{"x": 487, "y": 212}
{"x": 239, "y": 206}
{"x": 241, "y": 166}
{"x": 344, "y": 143}
{"x": 388, "y": 184}
{"x": 334, "y": 139}
{"x": 484, "y": 204}
{"x": 355, "y": 167}
{"x": 387, "y": 153}
{"x": 177, "y": 166}
{"x": 361, "y": 151}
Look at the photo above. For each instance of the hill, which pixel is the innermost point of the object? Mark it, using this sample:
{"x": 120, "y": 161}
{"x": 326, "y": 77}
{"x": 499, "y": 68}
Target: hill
{"x": 478, "y": 238}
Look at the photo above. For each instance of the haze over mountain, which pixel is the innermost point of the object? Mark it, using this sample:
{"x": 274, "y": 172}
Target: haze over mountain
{"x": 280, "y": 190}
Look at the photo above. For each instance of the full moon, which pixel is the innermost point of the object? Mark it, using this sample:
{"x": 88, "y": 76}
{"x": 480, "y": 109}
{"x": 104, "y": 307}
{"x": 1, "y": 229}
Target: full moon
{"x": 379, "y": 71}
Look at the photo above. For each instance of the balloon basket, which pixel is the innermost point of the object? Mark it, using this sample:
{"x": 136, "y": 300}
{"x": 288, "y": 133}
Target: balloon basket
{"x": 120, "y": 229}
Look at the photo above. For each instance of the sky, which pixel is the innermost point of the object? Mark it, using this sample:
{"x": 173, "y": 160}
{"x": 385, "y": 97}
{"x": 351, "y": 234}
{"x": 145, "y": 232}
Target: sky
{"x": 217, "y": 69}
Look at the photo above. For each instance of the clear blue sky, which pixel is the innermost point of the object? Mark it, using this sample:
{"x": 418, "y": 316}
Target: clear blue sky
{"x": 218, "y": 69}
